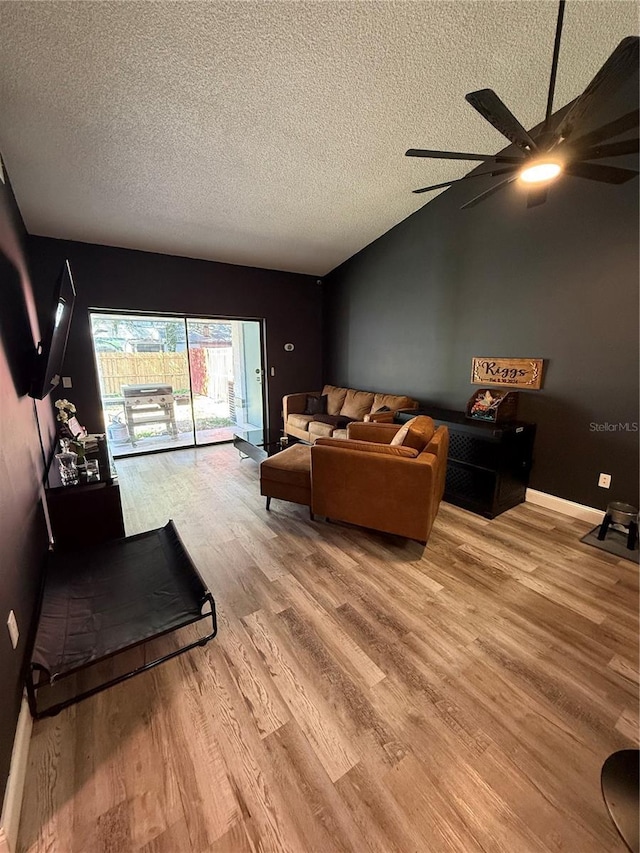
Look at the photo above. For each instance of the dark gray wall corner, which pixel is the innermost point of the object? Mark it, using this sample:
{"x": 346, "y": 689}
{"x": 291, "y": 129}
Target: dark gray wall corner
{"x": 124, "y": 279}
{"x": 559, "y": 281}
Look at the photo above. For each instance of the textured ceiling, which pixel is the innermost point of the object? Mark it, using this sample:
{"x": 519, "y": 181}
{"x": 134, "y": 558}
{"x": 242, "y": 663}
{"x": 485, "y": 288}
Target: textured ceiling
{"x": 270, "y": 134}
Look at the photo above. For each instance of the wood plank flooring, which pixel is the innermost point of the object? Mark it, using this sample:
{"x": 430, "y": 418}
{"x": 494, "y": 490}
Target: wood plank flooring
{"x": 363, "y": 694}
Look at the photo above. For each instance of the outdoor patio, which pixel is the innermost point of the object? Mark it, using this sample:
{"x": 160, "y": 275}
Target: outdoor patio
{"x": 214, "y": 423}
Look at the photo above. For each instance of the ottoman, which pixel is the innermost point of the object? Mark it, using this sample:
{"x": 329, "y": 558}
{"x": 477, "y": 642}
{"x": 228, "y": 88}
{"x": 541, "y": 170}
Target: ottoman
{"x": 287, "y": 475}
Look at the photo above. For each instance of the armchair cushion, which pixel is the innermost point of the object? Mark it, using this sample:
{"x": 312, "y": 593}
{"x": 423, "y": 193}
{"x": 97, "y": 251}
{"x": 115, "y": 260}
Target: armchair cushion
{"x": 416, "y": 433}
{"x": 380, "y": 432}
{"x": 319, "y": 429}
{"x": 335, "y": 398}
{"x": 357, "y": 404}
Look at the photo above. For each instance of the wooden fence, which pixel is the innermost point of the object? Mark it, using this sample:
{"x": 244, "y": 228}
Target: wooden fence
{"x": 169, "y": 368}
{"x": 136, "y": 368}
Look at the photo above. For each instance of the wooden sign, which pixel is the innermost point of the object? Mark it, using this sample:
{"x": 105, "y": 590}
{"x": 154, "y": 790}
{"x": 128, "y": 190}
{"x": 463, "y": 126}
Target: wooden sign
{"x": 514, "y": 372}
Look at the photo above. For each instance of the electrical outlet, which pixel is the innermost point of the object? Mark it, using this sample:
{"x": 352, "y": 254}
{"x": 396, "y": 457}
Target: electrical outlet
{"x": 66, "y": 382}
{"x": 12, "y": 625}
{"x": 604, "y": 481}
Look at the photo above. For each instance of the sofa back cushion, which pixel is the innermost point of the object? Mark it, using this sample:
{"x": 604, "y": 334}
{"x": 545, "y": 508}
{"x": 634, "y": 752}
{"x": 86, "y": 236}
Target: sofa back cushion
{"x": 335, "y": 398}
{"x": 357, "y": 404}
{"x": 368, "y": 447}
{"x": 393, "y": 402}
{"x": 416, "y": 433}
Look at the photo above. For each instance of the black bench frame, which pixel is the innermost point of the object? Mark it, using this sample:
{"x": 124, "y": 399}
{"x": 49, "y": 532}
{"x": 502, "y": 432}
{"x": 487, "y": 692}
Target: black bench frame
{"x": 38, "y": 677}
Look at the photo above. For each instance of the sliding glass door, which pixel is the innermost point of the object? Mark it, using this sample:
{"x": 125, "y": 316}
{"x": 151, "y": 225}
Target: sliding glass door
{"x": 169, "y": 382}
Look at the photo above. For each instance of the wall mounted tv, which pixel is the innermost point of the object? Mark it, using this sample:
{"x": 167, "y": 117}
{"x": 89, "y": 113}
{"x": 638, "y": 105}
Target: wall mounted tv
{"x": 51, "y": 349}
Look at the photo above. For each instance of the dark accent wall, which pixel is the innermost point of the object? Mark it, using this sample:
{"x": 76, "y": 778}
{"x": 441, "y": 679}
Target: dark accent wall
{"x": 23, "y": 537}
{"x": 123, "y": 279}
{"x": 559, "y": 282}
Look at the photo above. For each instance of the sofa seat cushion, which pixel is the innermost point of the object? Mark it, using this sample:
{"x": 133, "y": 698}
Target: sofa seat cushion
{"x": 340, "y": 433}
{"x": 317, "y": 429}
{"x": 416, "y": 433}
{"x": 300, "y": 421}
{"x": 392, "y": 401}
{"x": 335, "y": 398}
{"x": 291, "y": 466}
{"x": 357, "y": 404}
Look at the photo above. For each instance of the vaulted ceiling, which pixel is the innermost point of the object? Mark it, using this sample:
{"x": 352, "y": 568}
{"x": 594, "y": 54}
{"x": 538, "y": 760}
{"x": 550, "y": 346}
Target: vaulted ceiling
{"x": 266, "y": 133}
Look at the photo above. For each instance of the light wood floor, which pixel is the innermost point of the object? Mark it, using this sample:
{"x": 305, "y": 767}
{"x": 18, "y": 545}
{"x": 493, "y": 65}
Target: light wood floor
{"x": 362, "y": 694}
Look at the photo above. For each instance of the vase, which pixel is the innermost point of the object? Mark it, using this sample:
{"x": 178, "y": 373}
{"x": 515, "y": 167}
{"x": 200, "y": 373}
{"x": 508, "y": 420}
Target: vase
{"x": 68, "y": 468}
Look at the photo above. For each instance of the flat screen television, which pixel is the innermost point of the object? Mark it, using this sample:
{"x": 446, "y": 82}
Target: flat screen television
{"x": 51, "y": 349}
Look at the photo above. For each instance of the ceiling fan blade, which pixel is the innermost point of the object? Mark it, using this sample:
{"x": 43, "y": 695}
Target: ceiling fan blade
{"x": 466, "y": 178}
{"x": 460, "y": 155}
{"x": 490, "y": 107}
{"x": 596, "y": 172}
{"x": 489, "y": 192}
{"x": 554, "y": 67}
{"x": 611, "y": 149}
{"x": 620, "y": 65}
{"x": 537, "y": 196}
{"x": 612, "y": 128}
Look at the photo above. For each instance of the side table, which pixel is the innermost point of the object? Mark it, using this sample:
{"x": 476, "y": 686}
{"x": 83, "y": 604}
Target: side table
{"x": 85, "y": 513}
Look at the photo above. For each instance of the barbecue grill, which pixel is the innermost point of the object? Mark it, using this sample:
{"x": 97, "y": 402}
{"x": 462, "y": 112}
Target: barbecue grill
{"x": 149, "y": 404}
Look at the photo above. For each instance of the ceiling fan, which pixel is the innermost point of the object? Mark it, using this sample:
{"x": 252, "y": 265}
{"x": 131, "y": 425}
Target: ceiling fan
{"x": 549, "y": 153}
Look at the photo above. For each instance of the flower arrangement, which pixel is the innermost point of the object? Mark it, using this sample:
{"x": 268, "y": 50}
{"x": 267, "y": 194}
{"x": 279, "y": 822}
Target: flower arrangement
{"x": 66, "y": 413}
{"x": 65, "y": 408}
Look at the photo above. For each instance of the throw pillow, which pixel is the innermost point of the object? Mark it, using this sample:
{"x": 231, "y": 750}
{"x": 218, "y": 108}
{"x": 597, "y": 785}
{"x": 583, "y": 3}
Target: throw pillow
{"x": 416, "y": 433}
{"x": 316, "y": 405}
{"x": 382, "y": 409}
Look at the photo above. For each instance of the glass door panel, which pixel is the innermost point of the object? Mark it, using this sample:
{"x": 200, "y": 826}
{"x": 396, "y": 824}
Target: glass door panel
{"x": 143, "y": 369}
{"x": 170, "y": 382}
{"x": 226, "y": 377}
{"x": 211, "y": 371}
{"x": 250, "y": 345}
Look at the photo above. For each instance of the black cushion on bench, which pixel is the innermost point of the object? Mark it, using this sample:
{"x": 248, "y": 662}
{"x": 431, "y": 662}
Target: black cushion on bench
{"x": 103, "y": 600}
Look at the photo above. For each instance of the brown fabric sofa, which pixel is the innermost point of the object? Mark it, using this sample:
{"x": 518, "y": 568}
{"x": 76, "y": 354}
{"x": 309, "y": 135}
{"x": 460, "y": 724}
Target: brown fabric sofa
{"x": 365, "y": 480}
{"x": 343, "y": 405}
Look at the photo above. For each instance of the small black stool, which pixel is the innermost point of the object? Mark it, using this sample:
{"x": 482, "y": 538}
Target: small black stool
{"x": 626, "y": 516}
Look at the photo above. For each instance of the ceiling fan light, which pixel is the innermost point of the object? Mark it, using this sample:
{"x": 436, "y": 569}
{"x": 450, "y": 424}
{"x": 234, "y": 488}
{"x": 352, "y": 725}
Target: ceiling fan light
{"x": 540, "y": 172}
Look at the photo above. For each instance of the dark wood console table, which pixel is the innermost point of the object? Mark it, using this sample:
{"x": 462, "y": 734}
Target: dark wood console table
{"x": 488, "y": 464}
{"x": 88, "y": 512}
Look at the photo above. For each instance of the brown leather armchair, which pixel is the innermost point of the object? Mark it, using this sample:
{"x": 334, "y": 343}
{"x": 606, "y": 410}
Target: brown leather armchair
{"x": 365, "y": 480}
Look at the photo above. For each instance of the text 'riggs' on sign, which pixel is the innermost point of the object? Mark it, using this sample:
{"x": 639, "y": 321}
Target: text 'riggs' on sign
{"x": 514, "y": 372}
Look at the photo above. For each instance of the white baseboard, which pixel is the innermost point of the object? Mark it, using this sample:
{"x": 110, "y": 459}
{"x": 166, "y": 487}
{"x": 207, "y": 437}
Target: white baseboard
{"x": 565, "y": 507}
{"x": 10, "y": 819}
